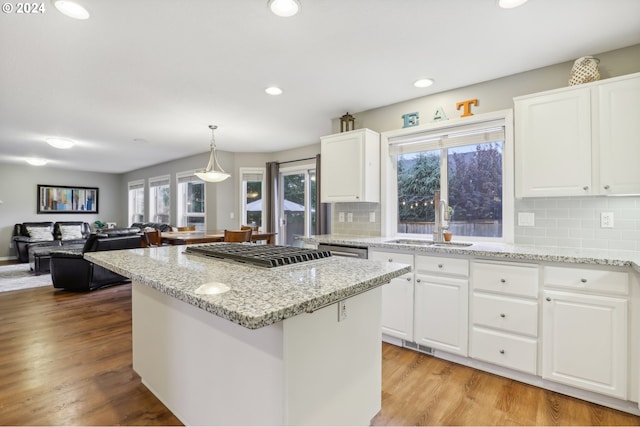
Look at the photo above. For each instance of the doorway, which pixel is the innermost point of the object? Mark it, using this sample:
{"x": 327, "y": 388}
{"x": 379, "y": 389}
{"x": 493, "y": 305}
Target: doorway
{"x": 297, "y": 203}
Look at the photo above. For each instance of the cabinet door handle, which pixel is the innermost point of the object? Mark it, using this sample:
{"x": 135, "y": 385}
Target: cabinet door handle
{"x": 606, "y": 187}
{"x": 585, "y": 188}
{"x": 501, "y": 351}
{"x": 418, "y": 280}
{"x": 503, "y": 281}
{"x": 440, "y": 265}
{"x": 408, "y": 279}
{"x": 390, "y": 259}
{"x": 503, "y": 315}
{"x": 548, "y": 299}
{"x": 583, "y": 280}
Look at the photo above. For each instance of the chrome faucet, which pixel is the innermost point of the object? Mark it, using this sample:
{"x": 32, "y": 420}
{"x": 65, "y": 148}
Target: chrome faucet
{"x": 442, "y": 214}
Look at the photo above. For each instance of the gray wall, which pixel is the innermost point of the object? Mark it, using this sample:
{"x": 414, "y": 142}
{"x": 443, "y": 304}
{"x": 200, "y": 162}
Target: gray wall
{"x": 571, "y": 222}
{"x": 18, "y": 192}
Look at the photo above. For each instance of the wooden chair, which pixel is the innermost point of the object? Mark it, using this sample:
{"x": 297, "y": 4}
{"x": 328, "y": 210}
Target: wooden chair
{"x": 237, "y": 235}
{"x": 152, "y": 238}
{"x": 249, "y": 227}
{"x": 189, "y": 228}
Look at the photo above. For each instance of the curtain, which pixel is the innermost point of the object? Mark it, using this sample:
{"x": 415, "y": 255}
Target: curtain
{"x": 271, "y": 196}
{"x": 323, "y": 212}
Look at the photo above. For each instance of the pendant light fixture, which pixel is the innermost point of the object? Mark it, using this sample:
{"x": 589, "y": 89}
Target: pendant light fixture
{"x": 213, "y": 172}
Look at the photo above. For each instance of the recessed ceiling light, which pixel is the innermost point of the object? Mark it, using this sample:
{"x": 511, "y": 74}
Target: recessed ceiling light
{"x": 273, "y": 90}
{"x": 510, "y": 4}
{"x": 71, "y": 9}
{"x": 423, "y": 82}
{"x": 61, "y": 143}
{"x": 284, "y": 8}
{"x": 33, "y": 161}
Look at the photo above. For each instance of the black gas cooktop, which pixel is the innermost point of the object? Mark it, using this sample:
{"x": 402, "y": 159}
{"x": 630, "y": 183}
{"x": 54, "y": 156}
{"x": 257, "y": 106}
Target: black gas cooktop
{"x": 259, "y": 255}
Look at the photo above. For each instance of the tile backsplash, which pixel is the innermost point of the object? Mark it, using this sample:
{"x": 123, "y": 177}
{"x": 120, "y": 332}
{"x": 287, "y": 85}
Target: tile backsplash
{"x": 574, "y": 222}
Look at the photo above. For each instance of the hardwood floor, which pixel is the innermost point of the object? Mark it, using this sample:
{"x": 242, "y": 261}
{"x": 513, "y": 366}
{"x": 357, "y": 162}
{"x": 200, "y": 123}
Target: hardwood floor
{"x": 65, "y": 359}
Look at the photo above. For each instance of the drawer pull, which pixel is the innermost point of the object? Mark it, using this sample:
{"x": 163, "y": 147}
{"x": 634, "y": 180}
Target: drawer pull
{"x": 390, "y": 259}
{"x": 408, "y": 279}
{"x": 503, "y": 315}
{"x": 440, "y": 265}
{"x": 583, "y": 280}
{"x": 501, "y": 351}
{"x": 585, "y": 188}
{"x": 606, "y": 187}
{"x": 503, "y": 281}
{"x": 548, "y": 299}
{"x": 418, "y": 280}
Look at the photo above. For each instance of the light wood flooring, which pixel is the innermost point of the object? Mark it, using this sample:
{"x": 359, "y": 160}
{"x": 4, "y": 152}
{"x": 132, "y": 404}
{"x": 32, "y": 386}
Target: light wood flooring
{"x": 65, "y": 359}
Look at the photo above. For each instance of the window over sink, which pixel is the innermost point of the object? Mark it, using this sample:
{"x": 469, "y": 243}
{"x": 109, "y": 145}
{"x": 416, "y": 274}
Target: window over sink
{"x": 470, "y": 160}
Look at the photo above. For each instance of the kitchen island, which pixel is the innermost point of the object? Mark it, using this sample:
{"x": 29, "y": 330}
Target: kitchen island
{"x": 221, "y": 343}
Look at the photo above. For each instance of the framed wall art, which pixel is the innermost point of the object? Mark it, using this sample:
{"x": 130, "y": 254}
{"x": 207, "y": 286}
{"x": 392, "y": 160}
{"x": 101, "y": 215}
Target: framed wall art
{"x": 62, "y": 199}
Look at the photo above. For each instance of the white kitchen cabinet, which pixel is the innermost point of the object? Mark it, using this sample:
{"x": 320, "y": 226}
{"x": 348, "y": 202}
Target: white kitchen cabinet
{"x": 397, "y": 298}
{"x": 441, "y": 303}
{"x": 350, "y": 167}
{"x": 619, "y": 150}
{"x": 585, "y": 329}
{"x": 579, "y": 140}
{"x": 504, "y": 319}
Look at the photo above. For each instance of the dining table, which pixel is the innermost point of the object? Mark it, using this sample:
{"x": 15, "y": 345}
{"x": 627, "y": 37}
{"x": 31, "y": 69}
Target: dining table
{"x": 212, "y": 236}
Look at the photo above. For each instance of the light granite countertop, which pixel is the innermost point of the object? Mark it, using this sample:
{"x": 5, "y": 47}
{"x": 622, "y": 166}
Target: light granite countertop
{"x": 494, "y": 250}
{"x": 257, "y": 296}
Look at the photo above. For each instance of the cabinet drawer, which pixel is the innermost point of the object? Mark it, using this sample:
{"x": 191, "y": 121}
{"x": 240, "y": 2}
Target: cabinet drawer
{"x": 513, "y": 279}
{"x": 507, "y": 314}
{"x": 512, "y": 351}
{"x": 610, "y": 282}
{"x": 442, "y": 265}
{"x": 391, "y": 257}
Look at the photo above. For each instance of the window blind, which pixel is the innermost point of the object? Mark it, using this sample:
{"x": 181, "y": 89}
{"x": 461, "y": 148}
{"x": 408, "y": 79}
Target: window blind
{"x": 159, "y": 182}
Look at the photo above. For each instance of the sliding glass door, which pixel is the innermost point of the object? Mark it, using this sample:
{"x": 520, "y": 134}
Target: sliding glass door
{"x": 297, "y": 203}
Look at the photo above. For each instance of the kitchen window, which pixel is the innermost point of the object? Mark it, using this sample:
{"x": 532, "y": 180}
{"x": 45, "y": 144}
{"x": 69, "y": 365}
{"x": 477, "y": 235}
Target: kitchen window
{"x": 468, "y": 160}
{"x": 136, "y": 201}
{"x": 191, "y": 201}
{"x": 159, "y": 199}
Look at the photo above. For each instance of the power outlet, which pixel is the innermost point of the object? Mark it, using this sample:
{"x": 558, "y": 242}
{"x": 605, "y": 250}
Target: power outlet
{"x": 606, "y": 219}
{"x": 526, "y": 219}
{"x": 372, "y": 217}
{"x": 350, "y": 217}
{"x": 342, "y": 311}
{"x": 341, "y": 217}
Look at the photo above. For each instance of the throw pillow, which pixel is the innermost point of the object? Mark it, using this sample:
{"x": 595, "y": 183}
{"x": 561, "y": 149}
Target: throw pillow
{"x": 71, "y": 232}
{"x": 40, "y": 233}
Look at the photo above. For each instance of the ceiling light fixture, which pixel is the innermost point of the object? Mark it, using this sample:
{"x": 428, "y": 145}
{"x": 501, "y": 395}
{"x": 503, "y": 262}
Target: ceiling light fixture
{"x": 71, "y": 9}
{"x": 210, "y": 174}
{"x": 34, "y": 161}
{"x": 423, "y": 83}
{"x": 510, "y": 4}
{"x": 61, "y": 143}
{"x": 273, "y": 90}
{"x": 284, "y": 8}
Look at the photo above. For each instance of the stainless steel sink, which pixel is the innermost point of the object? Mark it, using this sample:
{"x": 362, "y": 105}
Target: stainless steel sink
{"x": 417, "y": 242}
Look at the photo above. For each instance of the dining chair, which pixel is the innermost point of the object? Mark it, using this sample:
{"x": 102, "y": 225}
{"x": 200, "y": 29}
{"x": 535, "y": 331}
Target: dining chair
{"x": 250, "y": 227}
{"x": 189, "y": 228}
{"x": 237, "y": 235}
{"x": 153, "y": 238}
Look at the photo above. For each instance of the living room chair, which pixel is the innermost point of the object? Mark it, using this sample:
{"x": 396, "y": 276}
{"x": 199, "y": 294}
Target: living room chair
{"x": 237, "y": 235}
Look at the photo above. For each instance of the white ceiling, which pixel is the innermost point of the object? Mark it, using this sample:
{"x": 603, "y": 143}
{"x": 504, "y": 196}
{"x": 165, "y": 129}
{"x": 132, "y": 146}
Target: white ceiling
{"x": 139, "y": 83}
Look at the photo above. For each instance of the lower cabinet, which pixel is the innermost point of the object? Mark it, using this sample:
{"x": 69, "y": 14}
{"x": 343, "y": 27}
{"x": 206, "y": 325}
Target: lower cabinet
{"x": 585, "y": 329}
{"x": 397, "y": 298}
{"x": 441, "y": 313}
{"x": 504, "y": 317}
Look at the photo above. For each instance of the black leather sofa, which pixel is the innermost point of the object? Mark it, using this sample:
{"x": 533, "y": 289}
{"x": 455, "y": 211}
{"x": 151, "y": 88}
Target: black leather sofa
{"x": 51, "y": 234}
{"x": 70, "y": 271}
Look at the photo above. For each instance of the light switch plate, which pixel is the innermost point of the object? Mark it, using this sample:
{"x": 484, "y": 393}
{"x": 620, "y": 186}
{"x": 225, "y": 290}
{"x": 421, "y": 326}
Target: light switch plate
{"x": 372, "y": 217}
{"x": 350, "y": 217}
{"x": 526, "y": 219}
{"x": 340, "y": 216}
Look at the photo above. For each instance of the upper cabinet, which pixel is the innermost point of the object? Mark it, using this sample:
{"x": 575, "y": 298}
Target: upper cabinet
{"x": 579, "y": 140}
{"x": 350, "y": 170}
